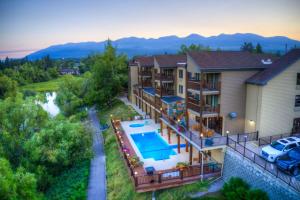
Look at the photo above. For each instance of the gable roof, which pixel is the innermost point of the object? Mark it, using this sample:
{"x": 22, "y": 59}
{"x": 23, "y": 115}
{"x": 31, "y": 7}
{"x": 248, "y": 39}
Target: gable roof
{"x": 216, "y": 60}
{"x": 144, "y": 61}
{"x": 170, "y": 60}
{"x": 263, "y": 77}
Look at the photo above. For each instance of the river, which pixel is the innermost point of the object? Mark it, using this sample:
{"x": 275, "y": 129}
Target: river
{"x": 50, "y": 105}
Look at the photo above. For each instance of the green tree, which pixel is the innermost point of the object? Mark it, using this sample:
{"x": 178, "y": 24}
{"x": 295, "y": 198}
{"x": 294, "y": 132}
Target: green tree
{"x": 247, "y": 46}
{"x": 184, "y": 48}
{"x": 258, "y": 48}
{"x": 109, "y": 76}
{"x": 8, "y": 87}
{"x": 19, "y": 185}
{"x": 256, "y": 194}
{"x": 235, "y": 189}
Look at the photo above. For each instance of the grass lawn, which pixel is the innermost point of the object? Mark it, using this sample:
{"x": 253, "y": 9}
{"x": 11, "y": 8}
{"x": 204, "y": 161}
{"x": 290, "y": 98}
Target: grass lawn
{"x": 47, "y": 86}
{"x": 119, "y": 184}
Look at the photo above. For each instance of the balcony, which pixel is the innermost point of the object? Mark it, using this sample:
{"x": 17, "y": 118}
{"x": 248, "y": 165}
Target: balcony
{"x": 206, "y": 110}
{"x": 208, "y": 87}
{"x": 164, "y": 92}
{"x": 164, "y": 77}
{"x": 145, "y": 73}
{"x": 146, "y": 83}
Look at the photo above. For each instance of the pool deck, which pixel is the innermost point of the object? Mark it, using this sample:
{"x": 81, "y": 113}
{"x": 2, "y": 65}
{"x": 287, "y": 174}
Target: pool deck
{"x": 170, "y": 163}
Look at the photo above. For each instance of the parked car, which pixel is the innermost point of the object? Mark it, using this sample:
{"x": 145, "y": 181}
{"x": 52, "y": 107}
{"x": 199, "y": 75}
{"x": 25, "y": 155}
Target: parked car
{"x": 290, "y": 162}
{"x": 279, "y": 148}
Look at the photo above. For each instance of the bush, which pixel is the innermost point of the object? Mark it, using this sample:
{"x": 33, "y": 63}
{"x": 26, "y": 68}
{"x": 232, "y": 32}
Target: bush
{"x": 237, "y": 189}
{"x": 71, "y": 184}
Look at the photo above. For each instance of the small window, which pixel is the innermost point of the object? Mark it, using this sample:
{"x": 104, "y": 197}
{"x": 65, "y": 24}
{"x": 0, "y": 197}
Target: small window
{"x": 180, "y": 73}
{"x": 297, "y": 101}
{"x": 290, "y": 146}
{"x": 180, "y": 88}
{"x": 197, "y": 76}
{"x": 298, "y": 78}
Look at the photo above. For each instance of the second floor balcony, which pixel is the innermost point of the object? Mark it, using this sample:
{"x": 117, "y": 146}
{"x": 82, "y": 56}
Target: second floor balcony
{"x": 145, "y": 73}
{"x": 145, "y": 83}
{"x": 164, "y": 91}
{"x": 207, "y": 86}
{"x": 206, "y": 109}
{"x": 164, "y": 77}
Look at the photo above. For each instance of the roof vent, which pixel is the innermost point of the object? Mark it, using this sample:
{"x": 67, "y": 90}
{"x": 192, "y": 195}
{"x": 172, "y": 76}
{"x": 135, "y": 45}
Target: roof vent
{"x": 266, "y": 62}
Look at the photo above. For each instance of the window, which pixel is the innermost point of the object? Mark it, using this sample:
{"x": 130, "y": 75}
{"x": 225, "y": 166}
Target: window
{"x": 197, "y": 76}
{"x": 180, "y": 89}
{"x": 290, "y": 146}
{"x": 298, "y": 78}
{"x": 297, "y": 101}
{"x": 180, "y": 73}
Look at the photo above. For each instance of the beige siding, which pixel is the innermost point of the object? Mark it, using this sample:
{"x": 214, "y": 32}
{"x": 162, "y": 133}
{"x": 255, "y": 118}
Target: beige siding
{"x": 253, "y": 108}
{"x": 233, "y": 99}
{"x": 278, "y": 102}
{"x": 133, "y": 81}
{"x": 181, "y": 81}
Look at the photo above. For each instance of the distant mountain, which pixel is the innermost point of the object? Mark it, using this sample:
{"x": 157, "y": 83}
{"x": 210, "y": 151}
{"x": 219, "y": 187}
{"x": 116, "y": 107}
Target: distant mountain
{"x": 169, "y": 44}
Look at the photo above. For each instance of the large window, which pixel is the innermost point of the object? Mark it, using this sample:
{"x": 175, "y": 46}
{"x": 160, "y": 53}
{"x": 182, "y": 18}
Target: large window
{"x": 197, "y": 76}
{"x": 180, "y": 73}
{"x": 298, "y": 78}
{"x": 180, "y": 88}
{"x": 297, "y": 101}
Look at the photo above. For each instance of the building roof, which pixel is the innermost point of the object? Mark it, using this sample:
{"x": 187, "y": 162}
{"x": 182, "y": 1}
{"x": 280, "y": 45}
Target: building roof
{"x": 144, "y": 61}
{"x": 262, "y": 78}
{"x": 229, "y": 60}
{"x": 170, "y": 60}
{"x": 171, "y": 99}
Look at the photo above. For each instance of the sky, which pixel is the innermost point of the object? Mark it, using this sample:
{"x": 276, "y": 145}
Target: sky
{"x": 29, "y": 25}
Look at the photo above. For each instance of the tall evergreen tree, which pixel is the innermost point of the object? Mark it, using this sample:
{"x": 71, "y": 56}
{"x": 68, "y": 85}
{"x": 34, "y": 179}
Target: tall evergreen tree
{"x": 247, "y": 46}
{"x": 258, "y": 48}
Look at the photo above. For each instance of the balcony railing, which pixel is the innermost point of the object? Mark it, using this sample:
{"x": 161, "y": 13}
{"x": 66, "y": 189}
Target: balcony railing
{"x": 206, "y": 109}
{"x": 149, "y": 100}
{"x": 164, "y": 91}
{"x": 146, "y": 83}
{"x": 145, "y": 73}
{"x": 164, "y": 77}
{"x": 206, "y": 85}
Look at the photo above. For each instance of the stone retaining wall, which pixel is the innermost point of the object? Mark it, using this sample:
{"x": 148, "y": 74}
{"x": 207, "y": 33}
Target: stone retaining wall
{"x": 237, "y": 166}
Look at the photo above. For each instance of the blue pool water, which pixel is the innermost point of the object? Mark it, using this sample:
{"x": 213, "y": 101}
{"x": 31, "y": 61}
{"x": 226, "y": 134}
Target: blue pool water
{"x": 151, "y": 145}
{"x": 136, "y": 125}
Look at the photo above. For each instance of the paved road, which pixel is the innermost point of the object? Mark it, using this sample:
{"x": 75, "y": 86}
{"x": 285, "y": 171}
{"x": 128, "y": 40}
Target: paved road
{"x": 97, "y": 180}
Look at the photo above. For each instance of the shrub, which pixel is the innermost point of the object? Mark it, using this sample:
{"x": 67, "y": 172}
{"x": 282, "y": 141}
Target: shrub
{"x": 256, "y": 194}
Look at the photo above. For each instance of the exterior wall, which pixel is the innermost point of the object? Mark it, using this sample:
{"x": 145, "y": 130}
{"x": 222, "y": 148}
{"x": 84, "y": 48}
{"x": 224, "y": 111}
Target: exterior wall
{"x": 181, "y": 81}
{"x": 278, "y": 103}
{"x": 233, "y": 99}
{"x": 133, "y": 73}
{"x": 218, "y": 154}
{"x": 253, "y": 108}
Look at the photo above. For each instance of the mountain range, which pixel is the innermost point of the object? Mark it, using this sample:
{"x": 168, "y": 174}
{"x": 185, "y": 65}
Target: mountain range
{"x": 168, "y": 44}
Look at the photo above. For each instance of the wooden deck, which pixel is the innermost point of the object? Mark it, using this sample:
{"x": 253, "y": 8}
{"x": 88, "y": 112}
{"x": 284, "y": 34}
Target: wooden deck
{"x": 164, "y": 178}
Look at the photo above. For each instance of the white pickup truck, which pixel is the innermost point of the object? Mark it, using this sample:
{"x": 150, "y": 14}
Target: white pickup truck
{"x": 279, "y": 147}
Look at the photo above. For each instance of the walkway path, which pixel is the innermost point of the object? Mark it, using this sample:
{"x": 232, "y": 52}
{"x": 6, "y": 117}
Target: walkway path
{"x": 136, "y": 108}
{"x": 97, "y": 180}
{"x": 214, "y": 187}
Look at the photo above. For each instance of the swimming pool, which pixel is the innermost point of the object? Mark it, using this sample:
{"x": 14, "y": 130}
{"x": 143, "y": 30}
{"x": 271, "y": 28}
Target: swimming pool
{"x": 151, "y": 145}
{"x": 136, "y": 125}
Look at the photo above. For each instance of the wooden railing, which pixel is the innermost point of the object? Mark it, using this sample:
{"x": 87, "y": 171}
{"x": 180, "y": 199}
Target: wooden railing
{"x": 164, "y": 92}
{"x": 207, "y": 109}
{"x": 163, "y": 77}
{"x": 149, "y": 100}
{"x": 145, "y": 73}
{"x": 206, "y": 85}
{"x": 146, "y": 83}
{"x": 241, "y": 148}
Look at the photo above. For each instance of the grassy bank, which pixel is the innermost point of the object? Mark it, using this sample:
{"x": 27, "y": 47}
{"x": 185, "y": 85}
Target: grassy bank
{"x": 119, "y": 185}
{"x": 51, "y": 85}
